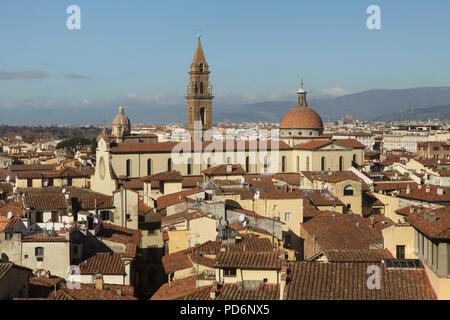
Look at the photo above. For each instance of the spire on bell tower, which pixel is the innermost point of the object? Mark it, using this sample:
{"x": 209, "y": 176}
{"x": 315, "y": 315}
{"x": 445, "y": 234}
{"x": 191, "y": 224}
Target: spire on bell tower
{"x": 199, "y": 92}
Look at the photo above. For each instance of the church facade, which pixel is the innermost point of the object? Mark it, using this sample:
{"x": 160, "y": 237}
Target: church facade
{"x": 301, "y": 145}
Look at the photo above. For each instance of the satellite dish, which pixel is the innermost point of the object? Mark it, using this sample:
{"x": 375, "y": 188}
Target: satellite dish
{"x": 242, "y": 218}
{"x": 10, "y": 215}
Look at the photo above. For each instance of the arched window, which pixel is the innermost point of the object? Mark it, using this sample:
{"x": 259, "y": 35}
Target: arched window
{"x": 323, "y": 164}
{"x": 298, "y": 164}
{"x": 128, "y": 168}
{"x": 201, "y": 87}
{"x": 189, "y": 166}
{"x": 283, "y": 164}
{"x": 208, "y": 164}
{"x": 247, "y": 164}
{"x": 149, "y": 167}
{"x": 307, "y": 163}
{"x": 169, "y": 164}
{"x": 201, "y": 67}
{"x": 348, "y": 190}
{"x": 202, "y": 115}
{"x": 354, "y": 159}
{"x": 341, "y": 163}
{"x": 196, "y": 88}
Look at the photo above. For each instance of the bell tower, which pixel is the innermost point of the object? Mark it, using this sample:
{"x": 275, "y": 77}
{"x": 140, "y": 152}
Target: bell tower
{"x": 199, "y": 93}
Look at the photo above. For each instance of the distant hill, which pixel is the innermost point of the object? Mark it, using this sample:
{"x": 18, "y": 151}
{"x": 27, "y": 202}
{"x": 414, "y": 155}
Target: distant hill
{"x": 365, "y": 105}
{"x": 419, "y": 114}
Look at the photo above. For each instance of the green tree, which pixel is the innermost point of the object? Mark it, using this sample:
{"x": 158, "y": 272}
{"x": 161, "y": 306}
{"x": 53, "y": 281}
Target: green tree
{"x": 73, "y": 143}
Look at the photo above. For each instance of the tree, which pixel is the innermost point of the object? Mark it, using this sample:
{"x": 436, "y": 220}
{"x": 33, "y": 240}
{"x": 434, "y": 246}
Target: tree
{"x": 94, "y": 145}
{"x": 73, "y": 143}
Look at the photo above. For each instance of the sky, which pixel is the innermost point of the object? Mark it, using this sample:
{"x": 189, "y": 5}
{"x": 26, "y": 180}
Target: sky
{"x": 139, "y": 52}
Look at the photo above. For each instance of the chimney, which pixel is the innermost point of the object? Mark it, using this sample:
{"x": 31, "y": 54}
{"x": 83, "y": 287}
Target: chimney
{"x": 283, "y": 280}
{"x": 440, "y": 191}
{"x": 99, "y": 281}
{"x": 427, "y": 189}
{"x": 408, "y": 189}
{"x": 411, "y": 210}
{"x": 372, "y": 222}
{"x": 213, "y": 292}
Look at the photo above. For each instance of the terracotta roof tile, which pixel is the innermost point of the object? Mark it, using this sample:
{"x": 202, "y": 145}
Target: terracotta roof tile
{"x": 265, "y": 260}
{"x": 106, "y": 263}
{"x": 356, "y": 255}
{"x": 348, "y": 281}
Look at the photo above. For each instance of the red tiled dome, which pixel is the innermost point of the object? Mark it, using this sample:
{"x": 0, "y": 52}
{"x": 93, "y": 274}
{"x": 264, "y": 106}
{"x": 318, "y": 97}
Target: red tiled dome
{"x": 301, "y": 118}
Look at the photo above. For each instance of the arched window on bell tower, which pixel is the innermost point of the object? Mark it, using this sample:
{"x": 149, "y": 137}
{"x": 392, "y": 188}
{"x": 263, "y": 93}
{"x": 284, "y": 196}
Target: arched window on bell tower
{"x": 201, "y": 67}
{"x": 202, "y": 115}
{"x": 201, "y": 87}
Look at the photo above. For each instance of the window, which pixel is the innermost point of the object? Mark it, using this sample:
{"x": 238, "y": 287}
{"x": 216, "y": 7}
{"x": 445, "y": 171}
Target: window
{"x": 400, "y": 252}
{"x": 189, "y": 166}
{"x": 55, "y": 216}
{"x": 128, "y": 168}
{"x": 39, "y": 253}
{"x": 202, "y": 115}
{"x": 29, "y": 183}
{"x": 307, "y": 163}
{"x": 298, "y": 164}
{"x": 266, "y": 164}
{"x": 287, "y": 216}
{"x": 287, "y": 241}
{"x": 106, "y": 215}
{"x": 247, "y": 164}
{"x": 169, "y": 164}
{"x": 341, "y": 163}
{"x": 354, "y": 159}
{"x": 201, "y": 87}
{"x": 39, "y": 216}
{"x": 208, "y": 164}
{"x": 348, "y": 190}
{"x": 283, "y": 164}
{"x": 228, "y": 160}
{"x": 229, "y": 272}
{"x": 322, "y": 164}
{"x": 149, "y": 167}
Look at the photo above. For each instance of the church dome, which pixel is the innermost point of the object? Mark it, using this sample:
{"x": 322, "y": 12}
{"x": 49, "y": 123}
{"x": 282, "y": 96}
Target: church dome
{"x": 301, "y": 117}
{"x": 121, "y": 119}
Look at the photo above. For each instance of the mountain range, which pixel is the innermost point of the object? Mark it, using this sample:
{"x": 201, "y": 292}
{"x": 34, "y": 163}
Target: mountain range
{"x": 380, "y": 104}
